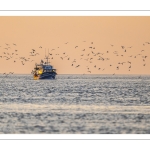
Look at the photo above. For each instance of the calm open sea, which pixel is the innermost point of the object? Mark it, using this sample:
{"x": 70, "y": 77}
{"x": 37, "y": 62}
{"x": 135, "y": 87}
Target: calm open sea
{"x": 91, "y": 104}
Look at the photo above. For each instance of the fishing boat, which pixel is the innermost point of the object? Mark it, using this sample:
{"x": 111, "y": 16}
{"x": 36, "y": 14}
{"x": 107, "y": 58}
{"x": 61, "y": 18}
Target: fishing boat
{"x": 44, "y": 70}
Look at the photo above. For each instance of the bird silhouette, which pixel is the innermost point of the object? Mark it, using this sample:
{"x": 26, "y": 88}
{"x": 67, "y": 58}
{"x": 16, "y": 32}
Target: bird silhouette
{"x": 11, "y": 72}
{"x": 77, "y": 66}
{"x": 147, "y": 42}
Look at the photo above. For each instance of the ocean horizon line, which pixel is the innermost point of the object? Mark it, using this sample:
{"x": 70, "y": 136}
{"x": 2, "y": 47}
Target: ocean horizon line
{"x": 81, "y": 74}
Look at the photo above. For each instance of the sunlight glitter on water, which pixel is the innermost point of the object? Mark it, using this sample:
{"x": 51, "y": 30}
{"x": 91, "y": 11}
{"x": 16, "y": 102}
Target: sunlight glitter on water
{"x": 92, "y": 104}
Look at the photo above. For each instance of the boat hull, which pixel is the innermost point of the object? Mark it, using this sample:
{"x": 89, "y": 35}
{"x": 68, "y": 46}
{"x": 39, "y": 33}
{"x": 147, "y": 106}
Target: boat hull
{"x": 46, "y": 76}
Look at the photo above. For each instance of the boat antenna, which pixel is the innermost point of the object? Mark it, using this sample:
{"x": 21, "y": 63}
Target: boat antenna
{"x": 46, "y": 56}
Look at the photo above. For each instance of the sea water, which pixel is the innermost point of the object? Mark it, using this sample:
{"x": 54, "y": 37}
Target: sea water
{"x": 75, "y": 104}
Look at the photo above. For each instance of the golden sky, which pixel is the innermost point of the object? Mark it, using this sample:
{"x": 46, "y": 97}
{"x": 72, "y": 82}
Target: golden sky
{"x": 115, "y": 44}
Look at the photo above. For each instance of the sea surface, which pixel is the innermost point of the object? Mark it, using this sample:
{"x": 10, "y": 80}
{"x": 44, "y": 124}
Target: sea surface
{"x": 75, "y": 104}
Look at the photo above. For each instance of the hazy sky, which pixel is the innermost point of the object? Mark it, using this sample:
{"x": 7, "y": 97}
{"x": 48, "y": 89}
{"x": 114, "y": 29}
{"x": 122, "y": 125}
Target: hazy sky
{"x": 114, "y": 44}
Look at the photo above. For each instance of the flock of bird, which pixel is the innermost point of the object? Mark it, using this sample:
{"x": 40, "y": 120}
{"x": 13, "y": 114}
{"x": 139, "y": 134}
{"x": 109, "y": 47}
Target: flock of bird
{"x": 91, "y": 55}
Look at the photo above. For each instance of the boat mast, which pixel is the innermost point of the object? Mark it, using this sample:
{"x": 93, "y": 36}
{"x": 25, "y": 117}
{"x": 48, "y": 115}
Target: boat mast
{"x": 46, "y": 57}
